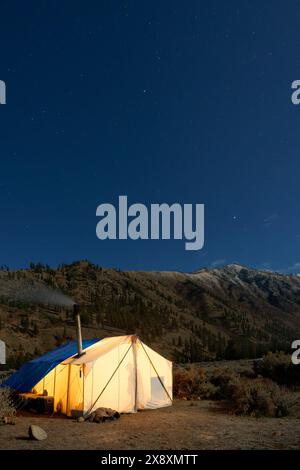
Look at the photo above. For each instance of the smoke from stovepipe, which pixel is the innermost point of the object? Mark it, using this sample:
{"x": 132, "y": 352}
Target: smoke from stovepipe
{"x": 33, "y": 292}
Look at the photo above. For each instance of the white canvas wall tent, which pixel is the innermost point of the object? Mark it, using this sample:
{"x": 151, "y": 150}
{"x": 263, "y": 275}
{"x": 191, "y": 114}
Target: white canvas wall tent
{"x": 120, "y": 372}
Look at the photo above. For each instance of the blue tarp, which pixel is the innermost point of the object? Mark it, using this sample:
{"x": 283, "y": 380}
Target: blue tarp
{"x": 32, "y": 372}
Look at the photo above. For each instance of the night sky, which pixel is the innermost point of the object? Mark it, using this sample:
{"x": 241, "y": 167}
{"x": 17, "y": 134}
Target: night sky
{"x": 162, "y": 101}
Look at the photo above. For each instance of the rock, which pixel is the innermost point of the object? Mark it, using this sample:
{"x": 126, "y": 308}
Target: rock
{"x": 36, "y": 433}
{"x": 8, "y": 420}
{"x": 103, "y": 414}
{"x": 80, "y": 419}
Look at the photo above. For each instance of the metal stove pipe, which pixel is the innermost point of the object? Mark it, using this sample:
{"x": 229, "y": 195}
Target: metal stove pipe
{"x": 76, "y": 310}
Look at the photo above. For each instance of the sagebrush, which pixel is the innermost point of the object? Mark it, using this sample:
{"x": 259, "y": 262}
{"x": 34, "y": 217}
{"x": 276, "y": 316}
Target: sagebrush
{"x": 7, "y": 408}
{"x": 279, "y": 368}
{"x": 245, "y": 396}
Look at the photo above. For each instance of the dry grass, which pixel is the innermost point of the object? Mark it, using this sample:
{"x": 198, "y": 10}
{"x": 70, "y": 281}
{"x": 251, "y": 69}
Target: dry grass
{"x": 205, "y": 425}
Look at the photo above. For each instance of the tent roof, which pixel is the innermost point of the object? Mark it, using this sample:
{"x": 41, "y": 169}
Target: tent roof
{"x": 32, "y": 372}
{"x": 99, "y": 349}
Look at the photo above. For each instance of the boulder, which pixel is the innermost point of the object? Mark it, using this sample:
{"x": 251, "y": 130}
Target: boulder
{"x": 36, "y": 433}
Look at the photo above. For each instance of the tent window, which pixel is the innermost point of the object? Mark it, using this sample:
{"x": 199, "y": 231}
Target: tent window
{"x": 157, "y": 391}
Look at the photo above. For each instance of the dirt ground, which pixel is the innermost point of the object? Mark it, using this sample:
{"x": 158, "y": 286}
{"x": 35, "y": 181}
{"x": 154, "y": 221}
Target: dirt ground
{"x": 185, "y": 425}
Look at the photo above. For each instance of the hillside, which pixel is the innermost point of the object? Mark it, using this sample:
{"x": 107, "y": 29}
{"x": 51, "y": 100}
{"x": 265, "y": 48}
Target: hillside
{"x": 233, "y": 311}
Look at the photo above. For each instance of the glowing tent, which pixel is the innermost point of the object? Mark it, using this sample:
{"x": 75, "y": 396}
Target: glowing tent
{"x": 121, "y": 373}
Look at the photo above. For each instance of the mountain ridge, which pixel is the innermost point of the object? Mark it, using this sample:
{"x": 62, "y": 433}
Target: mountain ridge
{"x": 229, "y": 311}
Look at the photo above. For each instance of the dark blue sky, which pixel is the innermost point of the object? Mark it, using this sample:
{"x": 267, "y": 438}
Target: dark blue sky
{"x": 162, "y": 101}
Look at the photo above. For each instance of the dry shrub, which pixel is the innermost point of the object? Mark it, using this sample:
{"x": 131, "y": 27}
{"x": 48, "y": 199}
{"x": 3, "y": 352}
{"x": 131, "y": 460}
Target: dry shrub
{"x": 254, "y": 397}
{"x": 225, "y": 380}
{"x": 278, "y": 367}
{"x": 6, "y": 406}
{"x": 207, "y": 391}
{"x": 260, "y": 397}
{"x": 192, "y": 383}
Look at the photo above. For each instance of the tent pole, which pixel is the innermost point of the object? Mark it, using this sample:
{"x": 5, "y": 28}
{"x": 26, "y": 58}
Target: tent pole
{"x": 91, "y": 407}
{"x": 83, "y": 384}
{"x": 68, "y": 390}
{"x": 158, "y": 376}
{"x": 134, "y": 339}
{"x": 54, "y": 389}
